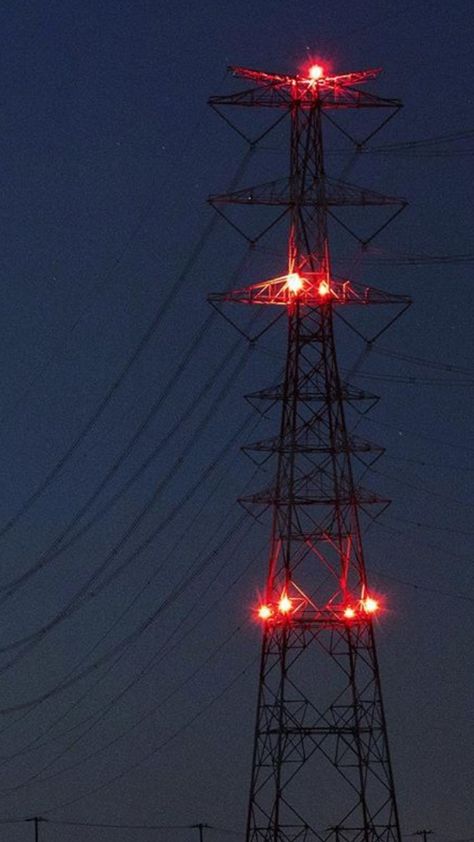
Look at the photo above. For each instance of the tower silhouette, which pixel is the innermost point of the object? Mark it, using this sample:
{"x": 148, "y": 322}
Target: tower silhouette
{"x": 321, "y": 764}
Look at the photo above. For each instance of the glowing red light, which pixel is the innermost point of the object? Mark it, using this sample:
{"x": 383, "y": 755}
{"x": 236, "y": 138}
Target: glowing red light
{"x": 316, "y": 72}
{"x": 349, "y": 613}
{"x": 370, "y": 605}
{"x": 294, "y": 282}
{"x": 284, "y": 605}
{"x": 264, "y": 612}
{"x": 324, "y": 289}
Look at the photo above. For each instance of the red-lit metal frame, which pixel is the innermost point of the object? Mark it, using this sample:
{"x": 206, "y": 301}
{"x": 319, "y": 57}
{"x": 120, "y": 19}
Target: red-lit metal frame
{"x": 277, "y": 90}
{"x": 321, "y": 767}
{"x": 314, "y": 290}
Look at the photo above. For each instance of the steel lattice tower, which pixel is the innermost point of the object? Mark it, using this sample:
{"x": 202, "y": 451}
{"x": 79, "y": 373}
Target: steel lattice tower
{"x": 321, "y": 764}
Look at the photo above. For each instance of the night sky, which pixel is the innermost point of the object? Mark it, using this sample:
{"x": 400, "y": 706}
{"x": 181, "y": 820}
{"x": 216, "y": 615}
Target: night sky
{"x": 128, "y": 572}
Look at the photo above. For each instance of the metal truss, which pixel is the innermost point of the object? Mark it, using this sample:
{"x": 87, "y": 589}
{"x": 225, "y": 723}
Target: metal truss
{"x": 321, "y": 766}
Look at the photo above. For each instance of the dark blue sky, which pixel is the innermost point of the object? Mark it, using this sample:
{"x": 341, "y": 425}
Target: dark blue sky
{"x": 109, "y": 152}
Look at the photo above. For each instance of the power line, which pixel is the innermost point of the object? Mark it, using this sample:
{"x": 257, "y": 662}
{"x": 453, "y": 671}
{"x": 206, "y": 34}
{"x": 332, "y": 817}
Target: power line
{"x": 435, "y": 364}
{"x": 417, "y": 434}
{"x": 74, "y": 604}
{"x": 452, "y": 554}
{"x": 410, "y": 380}
{"x": 423, "y": 463}
{"x": 120, "y": 826}
{"x": 84, "y": 594}
{"x": 127, "y": 826}
{"x": 35, "y": 743}
{"x": 103, "y": 278}
{"x": 165, "y": 648}
{"x": 37, "y": 776}
{"x": 58, "y": 546}
{"x": 130, "y": 362}
{"x": 437, "y": 146}
{"x": 420, "y": 488}
{"x": 159, "y": 747}
{"x": 149, "y": 620}
{"x": 418, "y": 587}
{"x": 430, "y": 527}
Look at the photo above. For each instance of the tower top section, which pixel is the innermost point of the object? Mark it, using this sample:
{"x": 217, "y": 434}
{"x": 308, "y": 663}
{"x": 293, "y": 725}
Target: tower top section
{"x": 313, "y": 84}
{"x": 314, "y": 77}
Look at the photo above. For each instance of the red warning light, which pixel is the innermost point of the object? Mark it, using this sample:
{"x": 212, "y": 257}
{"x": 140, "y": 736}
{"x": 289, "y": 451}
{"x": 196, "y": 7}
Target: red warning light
{"x": 324, "y": 289}
{"x": 284, "y": 605}
{"x": 294, "y": 283}
{"x": 370, "y": 605}
{"x": 264, "y": 612}
{"x": 349, "y": 613}
{"x": 315, "y": 72}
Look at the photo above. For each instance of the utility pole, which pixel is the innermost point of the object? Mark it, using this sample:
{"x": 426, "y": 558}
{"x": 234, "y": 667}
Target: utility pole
{"x": 423, "y": 833}
{"x": 321, "y": 768}
{"x": 200, "y": 827}
{"x": 36, "y": 820}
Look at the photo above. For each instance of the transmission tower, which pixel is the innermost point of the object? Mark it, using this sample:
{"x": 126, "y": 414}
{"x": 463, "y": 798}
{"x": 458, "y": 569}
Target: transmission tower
{"x": 321, "y": 763}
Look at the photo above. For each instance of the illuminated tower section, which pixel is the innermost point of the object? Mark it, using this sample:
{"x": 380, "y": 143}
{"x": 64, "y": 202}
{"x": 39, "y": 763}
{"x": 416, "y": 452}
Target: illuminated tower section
{"x": 321, "y": 765}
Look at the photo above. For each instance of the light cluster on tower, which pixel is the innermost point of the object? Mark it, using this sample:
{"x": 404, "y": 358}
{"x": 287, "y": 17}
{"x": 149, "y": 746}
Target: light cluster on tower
{"x": 350, "y": 610}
